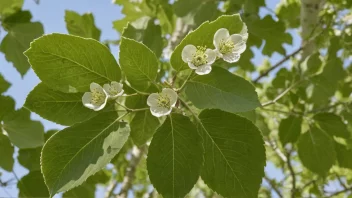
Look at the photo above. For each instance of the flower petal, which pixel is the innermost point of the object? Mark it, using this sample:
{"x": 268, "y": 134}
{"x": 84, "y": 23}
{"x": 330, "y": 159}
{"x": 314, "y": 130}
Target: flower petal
{"x": 187, "y": 53}
{"x": 160, "y": 111}
{"x": 94, "y": 85}
{"x": 231, "y": 57}
{"x": 211, "y": 56}
{"x": 153, "y": 99}
{"x": 220, "y": 35}
{"x": 86, "y": 98}
{"x": 171, "y": 94}
{"x": 190, "y": 65}
{"x": 236, "y": 38}
{"x": 116, "y": 85}
{"x": 239, "y": 48}
{"x": 244, "y": 32}
{"x": 203, "y": 69}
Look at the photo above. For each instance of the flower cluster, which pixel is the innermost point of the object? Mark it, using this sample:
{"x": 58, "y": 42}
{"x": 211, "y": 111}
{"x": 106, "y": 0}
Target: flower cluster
{"x": 162, "y": 103}
{"x": 228, "y": 47}
{"x": 98, "y": 96}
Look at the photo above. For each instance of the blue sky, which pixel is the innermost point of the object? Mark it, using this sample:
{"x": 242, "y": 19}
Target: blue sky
{"x": 51, "y": 15}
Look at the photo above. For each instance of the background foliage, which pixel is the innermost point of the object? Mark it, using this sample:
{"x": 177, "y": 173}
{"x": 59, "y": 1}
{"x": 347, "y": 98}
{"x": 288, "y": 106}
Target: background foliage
{"x": 305, "y": 118}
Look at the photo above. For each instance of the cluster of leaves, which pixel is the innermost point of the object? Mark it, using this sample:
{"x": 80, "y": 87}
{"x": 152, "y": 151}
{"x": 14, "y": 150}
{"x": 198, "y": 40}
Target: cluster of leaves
{"x": 218, "y": 128}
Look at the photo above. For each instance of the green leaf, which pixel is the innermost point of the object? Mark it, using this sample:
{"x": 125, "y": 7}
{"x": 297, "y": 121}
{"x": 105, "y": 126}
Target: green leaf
{"x": 18, "y": 17}
{"x": 7, "y": 105}
{"x": 6, "y": 153}
{"x": 316, "y": 151}
{"x": 175, "y": 157}
{"x": 326, "y": 83}
{"x": 344, "y": 155}
{"x": 204, "y": 35}
{"x": 30, "y": 158}
{"x": 313, "y": 64}
{"x": 250, "y": 115}
{"x": 17, "y": 41}
{"x": 7, "y": 7}
{"x": 81, "y": 25}
{"x": 289, "y": 11}
{"x": 59, "y": 107}
{"x": 32, "y": 185}
{"x": 22, "y": 131}
{"x": 143, "y": 126}
{"x": 234, "y": 157}
{"x": 273, "y": 32}
{"x": 4, "y": 85}
{"x": 139, "y": 64}
{"x": 132, "y": 10}
{"x": 184, "y": 7}
{"x": 72, "y": 155}
{"x": 290, "y": 129}
{"x": 332, "y": 124}
{"x": 70, "y": 63}
{"x": 222, "y": 90}
{"x": 150, "y": 35}
{"x": 207, "y": 12}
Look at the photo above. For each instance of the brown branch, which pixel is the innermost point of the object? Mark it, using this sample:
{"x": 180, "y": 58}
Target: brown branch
{"x": 292, "y": 173}
{"x": 278, "y": 64}
{"x": 272, "y": 186}
{"x": 137, "y": 155}
{"x": 340, "y": 192}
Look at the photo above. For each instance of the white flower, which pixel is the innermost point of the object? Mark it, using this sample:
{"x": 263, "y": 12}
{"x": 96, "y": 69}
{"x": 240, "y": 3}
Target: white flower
{"x": 230, "y": 47}
{"x": 161, "y": 103}
{"x": 114, "y": 89}
{"x": 198, "y": 58}
{"x": 96, "y": 99}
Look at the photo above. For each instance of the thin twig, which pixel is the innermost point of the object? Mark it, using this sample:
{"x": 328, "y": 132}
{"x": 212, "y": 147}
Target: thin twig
{"x": 292, "y": 173}
{"x": 278, "y": 64}
{"x": 340, "y": 192}
{"x": 283, "y": 93}
{"x": 185, "y": 82}
{"x": 324, "y": 108}
{"x": 133, "y": 110}
{"x": 272, "y": 185}
{"x": 137, "y": 155}
{"x": 276, "y": 150}
{"x": 110, "y": 189}
{"x": 283, "y": 112}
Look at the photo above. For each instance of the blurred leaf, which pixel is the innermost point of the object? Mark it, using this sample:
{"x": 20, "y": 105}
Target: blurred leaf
{"x": 6, "y": 153}
{"x": 184, "y": 7}
{"x": 222, "y": 90}
{"x": 233, "y": 146}
{"x": 207, "y": 12}
{"x": 30, "y": 158}
{"x": 81, "y": 25}
{"x": 273, "y": 32}
{"x": 332, "y": 124}
{"x": 149, "y": 35}
{"x": 290, "y": 129}
{"x": 139, "y": 64}
{"x": 316, "y": 151}
{"x": 344, "y": 155}
{"x": 18, "y": 17}
{"x": 4, "y": 86}
{"x": 313, "y": 64}
{"x": 70, "y": 63}
{"x": 22, "y": 131}
{"x": 8, "y": 7}
{"x": 87, "y": 148}
{"x": 175, "y": 157}
{"x": 289, "y": 11}
{"x": 17, "y": 41}
{"x": 32, "y": 185}
{"x": 7, "y": 106}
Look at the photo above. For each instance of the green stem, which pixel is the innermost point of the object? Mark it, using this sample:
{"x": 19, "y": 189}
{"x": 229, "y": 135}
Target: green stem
{"x": 132, "y": 110}
{"x": 282, "y": 94}
{"x": 184, "y": 83}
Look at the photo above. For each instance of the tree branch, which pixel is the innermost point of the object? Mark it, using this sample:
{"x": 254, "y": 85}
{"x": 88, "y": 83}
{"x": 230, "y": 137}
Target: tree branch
{"x": 278, "y": 64}
{"x": 272, "y": 185}
{"x": 292, "y": 173}
{"x": 126, "y": 185}
{"x": 283, "y": 93}
{"x": 340, "y": 192}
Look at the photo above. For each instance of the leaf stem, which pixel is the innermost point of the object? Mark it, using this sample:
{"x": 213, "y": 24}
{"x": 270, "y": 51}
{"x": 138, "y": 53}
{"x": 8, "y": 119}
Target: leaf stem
{"x": 132, "y": 110}
{"x": 273, "y": 186}
{"x": 185, "y": 82}
{"x": 282, "y": 94}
